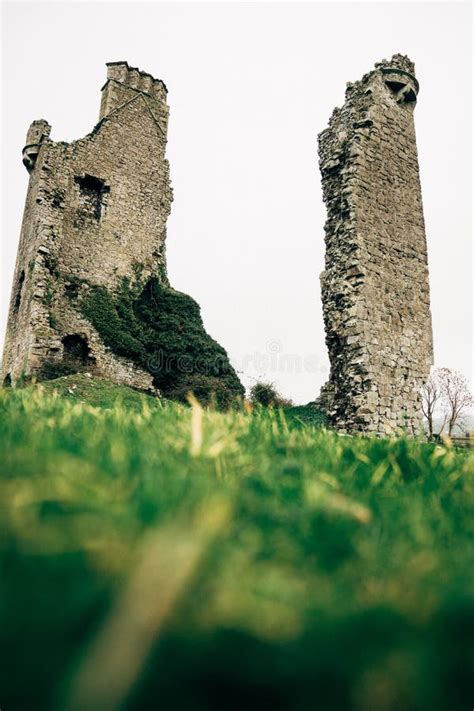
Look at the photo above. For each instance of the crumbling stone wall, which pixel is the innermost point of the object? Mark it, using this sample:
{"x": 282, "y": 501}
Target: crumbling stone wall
{"x": 375, "y": 288}
{"x": 95, "y": 212}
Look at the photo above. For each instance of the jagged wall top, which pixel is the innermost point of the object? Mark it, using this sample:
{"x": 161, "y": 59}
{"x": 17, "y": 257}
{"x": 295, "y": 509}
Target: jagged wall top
{"x": 134, "y": 78}
{"x": 400, "y": 66}
{"x": 398, "y": 74}
{"x": 125, "y": 83}
{"x": 398, "y": 61}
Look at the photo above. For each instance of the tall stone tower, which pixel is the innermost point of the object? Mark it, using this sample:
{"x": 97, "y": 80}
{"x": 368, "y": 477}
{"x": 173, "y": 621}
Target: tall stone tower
{"x": 95, "y": 212}
{"x": 375, "y": 288}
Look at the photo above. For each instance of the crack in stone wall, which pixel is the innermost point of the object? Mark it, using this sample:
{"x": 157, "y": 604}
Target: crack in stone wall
{"x": 375, "y": 288}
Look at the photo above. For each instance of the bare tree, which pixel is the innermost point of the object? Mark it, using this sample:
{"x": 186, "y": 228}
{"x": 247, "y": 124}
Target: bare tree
{"x": 431, "y": 399}
{"x": 456, "y": 396}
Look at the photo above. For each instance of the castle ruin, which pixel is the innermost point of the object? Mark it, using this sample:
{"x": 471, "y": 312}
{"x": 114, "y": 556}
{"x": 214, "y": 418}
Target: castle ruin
{"x": 375, "y": 289}
{"x": 95, "y": 219}
{"x": 95, "y": 212}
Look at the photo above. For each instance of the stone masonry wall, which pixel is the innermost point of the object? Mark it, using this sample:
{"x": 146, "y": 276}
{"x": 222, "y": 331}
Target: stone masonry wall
{"x": 375, "y": 288}
{"x": 95, "y": 212}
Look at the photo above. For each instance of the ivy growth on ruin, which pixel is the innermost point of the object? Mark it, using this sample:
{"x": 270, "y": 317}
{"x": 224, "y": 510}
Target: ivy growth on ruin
{"x": 161, "y": 330}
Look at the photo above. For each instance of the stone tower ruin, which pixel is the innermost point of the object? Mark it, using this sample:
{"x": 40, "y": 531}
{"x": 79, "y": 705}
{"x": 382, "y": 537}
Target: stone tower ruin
{"x": 375, "y": 288}
{"x": 95, "y": 212}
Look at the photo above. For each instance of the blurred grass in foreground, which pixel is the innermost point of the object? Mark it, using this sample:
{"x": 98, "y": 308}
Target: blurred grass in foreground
{"x": 160, "y": 556}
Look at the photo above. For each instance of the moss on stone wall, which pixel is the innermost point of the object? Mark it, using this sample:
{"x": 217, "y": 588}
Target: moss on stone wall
{"x": 162, "y": 331}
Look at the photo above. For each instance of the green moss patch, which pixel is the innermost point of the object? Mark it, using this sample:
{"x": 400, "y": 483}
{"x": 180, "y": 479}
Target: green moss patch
{"x": 162, "y": 331}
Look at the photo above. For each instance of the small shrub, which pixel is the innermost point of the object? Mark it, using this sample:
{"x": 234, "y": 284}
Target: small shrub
{"x": 266, "y": 395}
{"x": 208, "y": 390}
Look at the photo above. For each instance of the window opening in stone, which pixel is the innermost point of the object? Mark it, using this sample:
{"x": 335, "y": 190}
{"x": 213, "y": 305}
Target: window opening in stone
{"x": 402, "y": 92}
{"x": 19, "y": 289}
{"x": 92, "y": 191}
{"x": 7, "y": 381}
{"x": 395, "y": 86}
{"x": 76, "y": 351}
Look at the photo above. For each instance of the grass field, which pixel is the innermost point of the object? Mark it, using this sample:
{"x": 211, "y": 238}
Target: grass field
{"x": 158, "y": 556}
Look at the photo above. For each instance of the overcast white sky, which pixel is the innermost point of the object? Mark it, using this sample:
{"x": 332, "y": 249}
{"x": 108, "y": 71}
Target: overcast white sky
{"x": 250, "y": 86}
